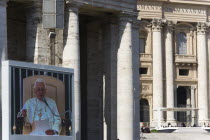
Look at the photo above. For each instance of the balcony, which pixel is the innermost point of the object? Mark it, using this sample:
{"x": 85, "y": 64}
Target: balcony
{"x": 146, "y": 57}
{"x": 185, "y": 58}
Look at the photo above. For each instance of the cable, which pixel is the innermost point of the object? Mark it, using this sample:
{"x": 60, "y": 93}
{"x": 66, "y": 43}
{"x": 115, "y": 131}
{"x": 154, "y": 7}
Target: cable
{"x": 43, "y": 99}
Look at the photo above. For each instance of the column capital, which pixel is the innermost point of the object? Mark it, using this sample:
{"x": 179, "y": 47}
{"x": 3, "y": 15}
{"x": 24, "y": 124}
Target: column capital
{"x": 201, "y": 28}
{"x": 170, "y": 26}
{"x": 128, "y": 16}
{"x": 3, "y": 3}
{"x": 193, "y": 87}
{"x": 157, "y": 24}
{"x": 136, "y": 24}
{"x": 72, "y": 8}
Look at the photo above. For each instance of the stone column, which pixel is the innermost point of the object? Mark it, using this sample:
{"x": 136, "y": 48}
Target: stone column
{"x": 193, "y": 105}
{"x": 169, "y": 71}
{"x": 37, "y": 49}
{"x": 136, "y": 80}
{"x": 3, "y": 30}
{"x": 157, "y": 67}
{"x": 188, "y": 105}
{"x": 110, "y": 41}
{"x": 71, "y": 58}
{"x": 125, "y": 93}
{"x": 202, "y": 74}
{"x": 3, "y": 45}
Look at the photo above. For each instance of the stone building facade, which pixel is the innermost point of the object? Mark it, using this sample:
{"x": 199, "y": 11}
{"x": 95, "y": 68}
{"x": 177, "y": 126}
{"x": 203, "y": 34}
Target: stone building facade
{"x": 174, "y": 60}
{"x": 100, "y": 42}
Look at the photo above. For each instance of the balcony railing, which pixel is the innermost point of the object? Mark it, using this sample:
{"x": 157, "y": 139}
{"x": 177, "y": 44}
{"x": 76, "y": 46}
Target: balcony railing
{"x": 185, "y": 58}
{"x": 145, "y": 57}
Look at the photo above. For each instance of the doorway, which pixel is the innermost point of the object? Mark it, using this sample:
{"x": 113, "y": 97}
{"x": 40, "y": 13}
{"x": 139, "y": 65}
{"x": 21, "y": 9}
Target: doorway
{"x": 183, "y": 101}
{"x": 144, "y": 111}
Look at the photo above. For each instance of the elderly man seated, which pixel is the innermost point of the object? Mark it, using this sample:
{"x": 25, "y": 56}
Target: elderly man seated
{"x": 38, "y": 112}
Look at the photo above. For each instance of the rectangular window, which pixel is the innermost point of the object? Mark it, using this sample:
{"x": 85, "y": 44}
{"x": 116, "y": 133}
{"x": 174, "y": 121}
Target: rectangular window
{"x": 183, "y": 72}
{"x": 142, "y": 43}
{"x": 182, "y": 43}
{"x": 143, "y": 70}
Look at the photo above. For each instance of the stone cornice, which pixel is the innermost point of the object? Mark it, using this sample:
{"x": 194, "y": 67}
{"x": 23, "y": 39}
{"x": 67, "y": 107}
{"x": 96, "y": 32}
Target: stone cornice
{"x": 202, "y": 2}
{"x": 198, "y": 2}
{"x": 112, "y": 5}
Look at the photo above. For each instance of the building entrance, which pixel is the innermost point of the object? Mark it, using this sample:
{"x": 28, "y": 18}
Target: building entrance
{"x": 183, "y": 101}
{"x": 144, "y": 111}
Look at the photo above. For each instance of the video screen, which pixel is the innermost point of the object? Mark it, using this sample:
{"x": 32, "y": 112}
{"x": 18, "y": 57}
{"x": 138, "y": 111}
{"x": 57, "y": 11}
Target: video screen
{"x": 41, "y": 102}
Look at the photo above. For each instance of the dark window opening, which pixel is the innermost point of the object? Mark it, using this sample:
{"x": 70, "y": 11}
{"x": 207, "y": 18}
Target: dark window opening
{"x": 183, "y": 72}
{"x": 143, "y": 70}
{"x": 142, "y": 42}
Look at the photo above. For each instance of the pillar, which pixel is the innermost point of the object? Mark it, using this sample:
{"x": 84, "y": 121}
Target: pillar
{"x": 3, "y": 30}
{"x": 157, "y": 67}
{"x": 136, "y": 80}
{"x": 193, "y": 115}
{"x": 169, "y": 71}
{"x": 37, "y": 47}
{"x": 125, "y": 94}
{"x": 110, "y": 40}
{"x": 71, "y": 58}
{"x": 3, "y": 50}
{"x": 202, "y": 74}
{"x": 188, "y": 105}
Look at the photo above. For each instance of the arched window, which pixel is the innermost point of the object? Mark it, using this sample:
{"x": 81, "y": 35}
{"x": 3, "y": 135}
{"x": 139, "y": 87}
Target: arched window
{"x": 144, "y": 111}
{"x": 182, "y": 43}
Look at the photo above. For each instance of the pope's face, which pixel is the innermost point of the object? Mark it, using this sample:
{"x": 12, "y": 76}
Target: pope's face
{"x": 40, "y": 90}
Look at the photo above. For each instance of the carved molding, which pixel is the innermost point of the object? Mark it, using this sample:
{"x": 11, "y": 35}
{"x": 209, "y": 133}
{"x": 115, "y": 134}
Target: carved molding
{"x": 201, "y": 28}
{"x": 193, "y": 87}
{"x": 157, "y": 24}
{"x": 170, "y": 26}
{"x": 145, "y": 88}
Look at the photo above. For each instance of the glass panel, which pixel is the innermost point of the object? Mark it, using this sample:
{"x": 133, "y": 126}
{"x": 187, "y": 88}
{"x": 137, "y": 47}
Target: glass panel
{"x": 142, "y": 43}
{"x": 182, "y": 43}
{"x": 17, "y": 76}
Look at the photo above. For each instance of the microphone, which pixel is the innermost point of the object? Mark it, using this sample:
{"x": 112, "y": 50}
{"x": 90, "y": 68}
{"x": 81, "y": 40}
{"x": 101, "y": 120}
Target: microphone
{"x": 44, "y": 100}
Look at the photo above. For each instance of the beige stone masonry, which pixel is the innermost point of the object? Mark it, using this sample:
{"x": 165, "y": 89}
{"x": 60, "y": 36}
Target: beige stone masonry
{"x": 71, "y": 58}
{"x": 125, "y": 94}
{"x": 157, "y": 67}
{"x": 202, "y": 73}
{"x": 169, "y": 70}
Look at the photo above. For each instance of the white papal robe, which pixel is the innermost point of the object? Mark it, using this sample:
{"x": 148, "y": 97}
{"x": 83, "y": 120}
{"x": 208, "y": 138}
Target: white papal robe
{"x": 40, "y": 117}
